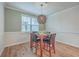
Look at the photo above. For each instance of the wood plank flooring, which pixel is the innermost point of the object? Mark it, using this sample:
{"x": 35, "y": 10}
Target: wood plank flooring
{"x": 23, "y": 50}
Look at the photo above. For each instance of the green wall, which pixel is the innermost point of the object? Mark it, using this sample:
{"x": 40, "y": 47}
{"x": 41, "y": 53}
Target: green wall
{"x": 13, "y": 20}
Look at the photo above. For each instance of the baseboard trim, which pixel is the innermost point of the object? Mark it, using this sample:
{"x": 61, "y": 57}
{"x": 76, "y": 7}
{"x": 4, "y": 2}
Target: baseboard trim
{"x": 16, "y": 43}
{"x": 1, "y": 52}
{"x": 68, "y": 44}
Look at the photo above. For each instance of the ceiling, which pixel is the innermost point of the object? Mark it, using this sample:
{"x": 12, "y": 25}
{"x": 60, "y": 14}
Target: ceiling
{"x": 34, "y": 7}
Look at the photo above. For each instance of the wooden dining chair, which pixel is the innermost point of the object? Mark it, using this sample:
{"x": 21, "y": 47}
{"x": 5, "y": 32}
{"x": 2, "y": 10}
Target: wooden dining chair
{"x": 49, "y": 43}
{"x": 34, "y": 40}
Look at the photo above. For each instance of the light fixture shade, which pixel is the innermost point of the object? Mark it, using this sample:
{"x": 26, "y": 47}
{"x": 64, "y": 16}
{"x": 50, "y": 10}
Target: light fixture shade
{"x": 42, "y": 19}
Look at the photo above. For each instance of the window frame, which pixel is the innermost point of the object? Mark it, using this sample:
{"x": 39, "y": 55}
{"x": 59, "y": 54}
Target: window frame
{"x": 31, "y": 25}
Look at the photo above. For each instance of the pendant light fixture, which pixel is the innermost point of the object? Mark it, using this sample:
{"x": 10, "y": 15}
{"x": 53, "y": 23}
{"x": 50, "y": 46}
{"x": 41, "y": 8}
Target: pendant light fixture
{"x": 42, "y": 18}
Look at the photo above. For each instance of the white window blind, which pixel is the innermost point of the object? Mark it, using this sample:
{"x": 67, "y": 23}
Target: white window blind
{"x": 29, "y": 24}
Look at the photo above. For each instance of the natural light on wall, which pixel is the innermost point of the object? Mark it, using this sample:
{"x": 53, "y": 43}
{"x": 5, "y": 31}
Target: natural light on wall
{"x": 29, "y": 23}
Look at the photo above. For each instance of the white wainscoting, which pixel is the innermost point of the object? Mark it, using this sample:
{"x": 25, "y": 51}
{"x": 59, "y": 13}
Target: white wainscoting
{"x": 68, "y": 38}
{"x": 14, "y": 38}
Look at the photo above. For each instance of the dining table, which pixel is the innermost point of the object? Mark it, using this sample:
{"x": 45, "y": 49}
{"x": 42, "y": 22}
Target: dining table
{"x": 41, "y": 36}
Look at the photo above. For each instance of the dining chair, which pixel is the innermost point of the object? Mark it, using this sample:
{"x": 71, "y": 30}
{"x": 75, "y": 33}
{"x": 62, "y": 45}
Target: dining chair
{"x": 49, "y": 43}
{"x": 34, "y": 40}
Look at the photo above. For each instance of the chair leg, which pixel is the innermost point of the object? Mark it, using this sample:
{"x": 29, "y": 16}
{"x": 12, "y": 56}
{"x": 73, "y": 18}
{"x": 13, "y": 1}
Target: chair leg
{"x": 44, "y": 45}
{"x": 36, "y": 44}
{"x": 49, "y": 50}
{"x": 31, "y": 46}
{"x": 53, "y": 48}
{"x": 30, "y": 43}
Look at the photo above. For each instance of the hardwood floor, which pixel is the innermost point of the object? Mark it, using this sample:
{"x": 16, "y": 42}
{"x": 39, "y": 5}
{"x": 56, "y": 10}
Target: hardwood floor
{"x": 23, "y": 50}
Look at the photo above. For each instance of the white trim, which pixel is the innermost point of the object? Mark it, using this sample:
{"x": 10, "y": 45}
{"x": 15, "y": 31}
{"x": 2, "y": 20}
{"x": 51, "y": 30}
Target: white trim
{"x": 15, "y": 38}
{"x": 52, "y": 14}
{"x": 1, "y": 51}
{"x": 16, "y": 43}
{"x": 20, "y": 10}
{"x": 68, "y": 44}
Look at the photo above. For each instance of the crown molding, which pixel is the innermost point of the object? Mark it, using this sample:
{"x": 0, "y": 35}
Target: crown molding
{"x": 20, "y": 10}
{"x": 63, "y": 10}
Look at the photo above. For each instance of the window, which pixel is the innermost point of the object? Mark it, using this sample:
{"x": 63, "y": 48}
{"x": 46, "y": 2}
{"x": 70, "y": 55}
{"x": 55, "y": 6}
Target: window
{"x": 29, "y": 24}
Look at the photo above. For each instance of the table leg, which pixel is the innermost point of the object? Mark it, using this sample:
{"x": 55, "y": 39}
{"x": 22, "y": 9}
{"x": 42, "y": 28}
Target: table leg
{"x": 40, "y": 49}
{"x": 41, "y": 46}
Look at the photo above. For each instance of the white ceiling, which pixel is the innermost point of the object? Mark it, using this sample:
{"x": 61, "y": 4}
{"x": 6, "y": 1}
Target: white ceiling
{"x": 34, "y": 7}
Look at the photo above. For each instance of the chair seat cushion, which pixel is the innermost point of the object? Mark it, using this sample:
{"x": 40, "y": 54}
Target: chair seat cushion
{"x": 46, "y": 41}
{"x": 37, "y": 40}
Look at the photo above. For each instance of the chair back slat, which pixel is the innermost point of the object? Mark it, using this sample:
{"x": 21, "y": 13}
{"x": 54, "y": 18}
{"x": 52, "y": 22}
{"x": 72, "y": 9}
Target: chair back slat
{"x": 33, "y": 37}
{"x": 52, "y": 38}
